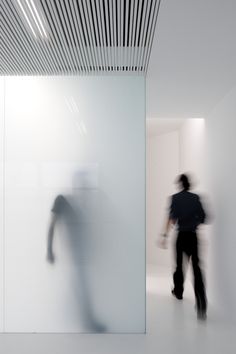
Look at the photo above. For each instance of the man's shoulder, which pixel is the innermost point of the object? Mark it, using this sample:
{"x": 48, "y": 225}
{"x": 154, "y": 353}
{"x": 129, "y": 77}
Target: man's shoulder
{"x": 176, "y": 196}
{"x": 193, "y": 195}
{"x": 184, "y": 194}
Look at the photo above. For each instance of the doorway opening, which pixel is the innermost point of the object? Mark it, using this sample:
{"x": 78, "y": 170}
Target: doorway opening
{"x": 174, "y": 146}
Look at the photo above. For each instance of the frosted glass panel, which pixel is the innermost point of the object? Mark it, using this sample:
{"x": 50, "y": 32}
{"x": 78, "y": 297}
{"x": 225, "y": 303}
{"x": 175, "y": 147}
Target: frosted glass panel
{"x": 75, "y": 204}
{"x": 2, "y": 255}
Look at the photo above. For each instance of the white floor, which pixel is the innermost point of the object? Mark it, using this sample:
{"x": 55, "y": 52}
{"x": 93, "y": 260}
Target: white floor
{"x": 172, "y": 327}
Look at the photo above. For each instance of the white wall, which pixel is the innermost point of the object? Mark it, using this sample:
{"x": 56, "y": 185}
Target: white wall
{"x": 193, "y": 152}
{"x": 84, "y": 138}
{"x": 162, "y": 169}
{"x": 2, "y": 253}
{"x": 221, "y": 127}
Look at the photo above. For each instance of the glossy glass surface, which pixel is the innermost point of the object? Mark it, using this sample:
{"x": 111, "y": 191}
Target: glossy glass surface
{"x": 74, "y": 204}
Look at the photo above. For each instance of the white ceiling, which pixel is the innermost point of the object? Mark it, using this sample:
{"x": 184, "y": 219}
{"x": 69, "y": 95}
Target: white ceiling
{"x": 161, "y": 126}
{"x": 193, "y": 59}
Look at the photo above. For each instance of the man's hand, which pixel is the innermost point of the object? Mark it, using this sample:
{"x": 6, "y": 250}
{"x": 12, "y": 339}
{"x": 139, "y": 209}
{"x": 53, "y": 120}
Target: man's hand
{"x": 162, "y": 242}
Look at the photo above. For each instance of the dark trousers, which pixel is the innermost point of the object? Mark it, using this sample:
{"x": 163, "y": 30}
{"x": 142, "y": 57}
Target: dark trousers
{"x": 187, "y": 243}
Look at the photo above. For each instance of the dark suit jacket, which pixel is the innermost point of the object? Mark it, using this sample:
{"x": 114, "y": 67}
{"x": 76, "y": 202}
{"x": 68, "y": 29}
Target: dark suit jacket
{"x": 186, "y": 208}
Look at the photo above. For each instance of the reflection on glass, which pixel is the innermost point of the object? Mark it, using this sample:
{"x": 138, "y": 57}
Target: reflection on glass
{"x": 76, "y": 227}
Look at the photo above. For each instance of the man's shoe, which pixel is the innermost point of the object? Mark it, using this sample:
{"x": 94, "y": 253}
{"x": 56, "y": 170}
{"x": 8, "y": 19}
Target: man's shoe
{"x": 179, "y": 297}
{"x": 201, "y": 315}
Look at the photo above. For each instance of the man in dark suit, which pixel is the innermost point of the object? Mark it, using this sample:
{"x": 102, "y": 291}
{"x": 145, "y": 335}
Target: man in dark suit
{"x": 187, "y": 212}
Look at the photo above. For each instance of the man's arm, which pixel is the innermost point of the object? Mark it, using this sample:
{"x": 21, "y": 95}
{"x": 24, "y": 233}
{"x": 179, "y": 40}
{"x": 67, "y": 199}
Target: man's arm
{"x": 171, "y": 220}
{"x": 50, "y": 254}
{"x": 201, "y": 212}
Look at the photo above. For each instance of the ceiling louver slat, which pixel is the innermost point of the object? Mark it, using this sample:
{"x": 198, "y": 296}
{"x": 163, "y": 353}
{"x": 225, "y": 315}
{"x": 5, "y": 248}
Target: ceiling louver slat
{"x": 63, "y": 37}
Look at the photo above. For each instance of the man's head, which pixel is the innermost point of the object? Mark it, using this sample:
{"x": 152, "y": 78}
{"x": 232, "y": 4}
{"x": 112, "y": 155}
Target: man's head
{"x": 184, "y": 183}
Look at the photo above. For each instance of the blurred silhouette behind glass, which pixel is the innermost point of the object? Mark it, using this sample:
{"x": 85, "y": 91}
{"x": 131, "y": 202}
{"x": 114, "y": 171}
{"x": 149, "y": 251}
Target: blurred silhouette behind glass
{"x": 67, "y": 212}
{"x": 187, "y": 212}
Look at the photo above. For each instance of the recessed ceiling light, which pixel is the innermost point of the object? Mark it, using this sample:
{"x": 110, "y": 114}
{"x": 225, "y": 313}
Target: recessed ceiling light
{"x": 38, "y": 17}
{"x": 26, "y": 17}
{"x": 32, "y": 16}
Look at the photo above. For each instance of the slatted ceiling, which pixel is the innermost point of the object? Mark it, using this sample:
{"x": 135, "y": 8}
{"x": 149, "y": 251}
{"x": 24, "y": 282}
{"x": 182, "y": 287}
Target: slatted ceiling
{"x": 52, "y": 37}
